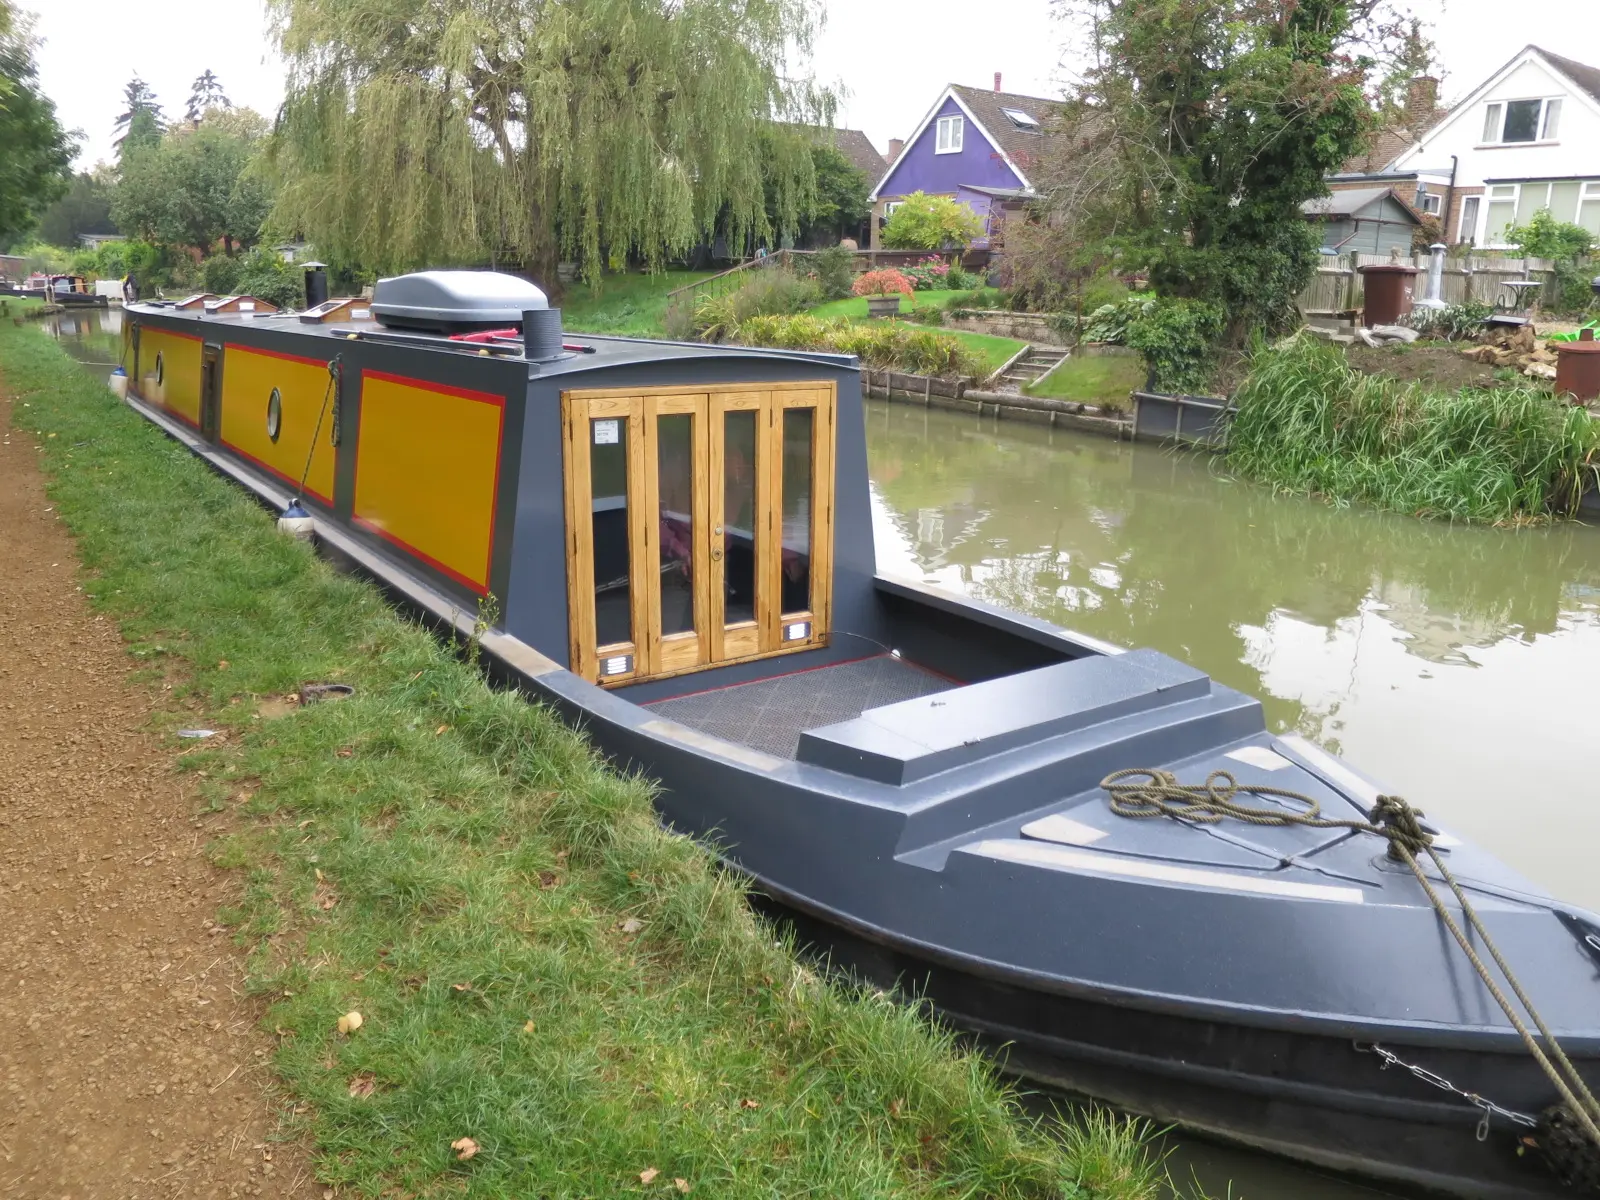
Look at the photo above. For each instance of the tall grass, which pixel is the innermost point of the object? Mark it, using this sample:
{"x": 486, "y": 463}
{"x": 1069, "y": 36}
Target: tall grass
{"x": 541, "y": 967}
{"x": 1308, "y": 422}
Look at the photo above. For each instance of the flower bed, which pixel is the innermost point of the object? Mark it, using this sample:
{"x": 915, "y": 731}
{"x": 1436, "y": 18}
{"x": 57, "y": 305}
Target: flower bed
{"x": 885, "y": 344}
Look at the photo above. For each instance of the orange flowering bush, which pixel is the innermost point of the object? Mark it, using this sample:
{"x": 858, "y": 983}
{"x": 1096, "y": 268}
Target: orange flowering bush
{"x": 883, "y": 282}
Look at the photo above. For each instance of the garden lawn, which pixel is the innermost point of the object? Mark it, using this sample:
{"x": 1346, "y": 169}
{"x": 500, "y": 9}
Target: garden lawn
{"x": 991, "y": 351}
{"x": 855, "y": 307}
{"x": 1093, "y": 379}
{"x": 629, "y": 304}
{"x": 540, "y": 968}
{"x": 994, "y": 352}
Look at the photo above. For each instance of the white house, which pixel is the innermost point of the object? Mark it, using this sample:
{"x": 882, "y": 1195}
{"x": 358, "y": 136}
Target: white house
{"x": 1526, "y": 138}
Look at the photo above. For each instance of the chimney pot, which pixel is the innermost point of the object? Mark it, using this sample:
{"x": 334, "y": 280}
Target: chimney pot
{"x": 997, "y": 81}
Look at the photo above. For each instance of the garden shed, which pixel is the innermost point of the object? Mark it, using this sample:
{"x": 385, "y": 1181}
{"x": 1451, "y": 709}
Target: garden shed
{"x": 1373, "y": 220}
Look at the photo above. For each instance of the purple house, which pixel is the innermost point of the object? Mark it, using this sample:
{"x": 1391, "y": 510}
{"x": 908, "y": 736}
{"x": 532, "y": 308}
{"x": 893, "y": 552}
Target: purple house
{"x": 974, "y": 145}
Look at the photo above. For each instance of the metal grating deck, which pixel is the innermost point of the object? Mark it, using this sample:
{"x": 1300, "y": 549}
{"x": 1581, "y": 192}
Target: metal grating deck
{"x": 771, "y": 714}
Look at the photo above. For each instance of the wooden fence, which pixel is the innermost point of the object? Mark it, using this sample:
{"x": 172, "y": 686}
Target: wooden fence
{"x": 1337, "y": 285}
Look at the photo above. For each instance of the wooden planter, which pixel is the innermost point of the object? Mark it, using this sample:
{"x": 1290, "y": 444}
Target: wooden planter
{"x": 883, "y": 306}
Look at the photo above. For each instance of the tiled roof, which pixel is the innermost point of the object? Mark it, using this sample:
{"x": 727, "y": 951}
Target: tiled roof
{"x": 1021, "y": 144}
{"x": 1585, "y": 76}
{"x": 1349, "y": 201}
{"x": 858, "y": 148}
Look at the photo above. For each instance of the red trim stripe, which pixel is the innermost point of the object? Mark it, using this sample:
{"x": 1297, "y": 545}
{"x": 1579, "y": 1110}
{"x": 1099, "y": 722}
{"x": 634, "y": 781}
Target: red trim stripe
{"x": 427, "y": 385}
{"x": 481, "y": 589}
{"x": 298, "y": 358}
{"x": 471, "y": 585}
{"x": 273, "y": 471}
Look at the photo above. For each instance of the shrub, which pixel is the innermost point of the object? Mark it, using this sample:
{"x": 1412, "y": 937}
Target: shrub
{"x": 926, "y": 315}
{"x": 885, "y": 281}
{"x": 264, "y": 274}
{"x": 886, "y": 344}
{"x": 928, "y": 274}
{"x": 923, "y": 222}
{"x": 977, "y": 298}
{"x": 768, "y": 292}
{"x": 961, "y": 279}
{"x": 220, "y": 274}
{"x": 1178, "y": 340}
{"x": 1103, "y": 290}
{"x": 1109, "y": 322}
{"x": 834, "y": 270}
{"x": 1545, "y": 237}
{"x": 1309, "y": 422}
{"x": 1454, "y": 322}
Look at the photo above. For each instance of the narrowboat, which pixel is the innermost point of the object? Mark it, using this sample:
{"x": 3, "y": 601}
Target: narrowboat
{"x": 677, "y": 540}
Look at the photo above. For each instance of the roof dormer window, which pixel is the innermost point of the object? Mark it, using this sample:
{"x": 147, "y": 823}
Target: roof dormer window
{"x": 948, "y": 135}
{"x": 1513, "y": 121}
{"x": 1021, "y": 119}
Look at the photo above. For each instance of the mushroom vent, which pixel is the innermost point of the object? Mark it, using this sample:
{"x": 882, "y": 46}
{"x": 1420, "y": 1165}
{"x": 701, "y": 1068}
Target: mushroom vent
{"x": 454, "y": 301}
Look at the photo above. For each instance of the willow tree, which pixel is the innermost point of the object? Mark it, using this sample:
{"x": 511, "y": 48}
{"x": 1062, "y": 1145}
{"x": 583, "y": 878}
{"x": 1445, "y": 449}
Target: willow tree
{"x": 429, "y": 131}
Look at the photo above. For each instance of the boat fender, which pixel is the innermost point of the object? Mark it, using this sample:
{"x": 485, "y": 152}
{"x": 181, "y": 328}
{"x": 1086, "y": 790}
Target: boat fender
{"x": 118, "y": 382}
{"x": 297, "y": 522}
{"x": 1568, "y": 1149}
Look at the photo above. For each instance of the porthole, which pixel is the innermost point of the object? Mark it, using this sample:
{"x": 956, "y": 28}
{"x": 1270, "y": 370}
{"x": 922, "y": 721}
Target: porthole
{"x": 161, "y": 369}
{"x": 274, "y": 414}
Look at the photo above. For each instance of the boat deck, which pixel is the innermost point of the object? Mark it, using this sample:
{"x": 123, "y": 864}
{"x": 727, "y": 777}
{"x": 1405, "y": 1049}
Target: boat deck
{"x": 771, "y": 714}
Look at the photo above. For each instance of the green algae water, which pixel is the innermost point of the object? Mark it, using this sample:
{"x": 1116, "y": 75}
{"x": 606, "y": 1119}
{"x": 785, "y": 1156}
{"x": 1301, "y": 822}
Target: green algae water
{"x": 1458, "y": 665}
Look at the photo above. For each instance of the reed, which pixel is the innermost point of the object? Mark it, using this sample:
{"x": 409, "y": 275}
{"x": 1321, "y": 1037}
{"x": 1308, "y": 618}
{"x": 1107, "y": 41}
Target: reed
{"x": 1308, "y": 422}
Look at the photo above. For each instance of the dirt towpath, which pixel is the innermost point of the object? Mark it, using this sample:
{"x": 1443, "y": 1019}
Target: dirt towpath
{"x": 130, "y": 1062}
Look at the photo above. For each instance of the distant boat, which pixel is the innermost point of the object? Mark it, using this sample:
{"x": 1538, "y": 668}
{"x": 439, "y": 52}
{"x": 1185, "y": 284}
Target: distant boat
{"x": 678, "y": 540}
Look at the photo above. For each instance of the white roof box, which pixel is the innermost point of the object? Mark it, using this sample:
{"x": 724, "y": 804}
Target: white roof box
{"x": 455, "y": 301}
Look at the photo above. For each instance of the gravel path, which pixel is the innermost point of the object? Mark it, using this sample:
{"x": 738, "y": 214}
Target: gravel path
{"x": 131, "y": 1066}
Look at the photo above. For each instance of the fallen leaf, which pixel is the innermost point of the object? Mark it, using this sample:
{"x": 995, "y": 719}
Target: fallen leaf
{"x": 682, "y": 1185}
{"x": 895, "y": 1107}
{"x": 461, "y": 987}
{"x": 548, "y": 879}
{"x": 747, "y": 1103}
{"x": 648, "y": 1175}
{"x": 222, "y": 665}
{"x": 465, "y": 1148}
{"x": 344, "y": 752}
{"x": 327, "y": 900}
{"x": 350, "y": 1022}
{"x": 631, "y": 925}
{"x": 318, "y": 870}
{"x": 362, "y": 1085}
{"x": 528, "y": 1028}
{"x": 440, "y": 730}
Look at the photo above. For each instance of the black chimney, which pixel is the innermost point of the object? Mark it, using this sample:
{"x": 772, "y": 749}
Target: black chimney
{"x": 316, "y": 284}
{"x": 541, "y": 334}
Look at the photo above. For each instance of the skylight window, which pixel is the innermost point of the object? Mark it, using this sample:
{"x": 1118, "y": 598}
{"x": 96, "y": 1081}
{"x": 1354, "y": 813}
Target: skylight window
{"x": 1020, "y": 119}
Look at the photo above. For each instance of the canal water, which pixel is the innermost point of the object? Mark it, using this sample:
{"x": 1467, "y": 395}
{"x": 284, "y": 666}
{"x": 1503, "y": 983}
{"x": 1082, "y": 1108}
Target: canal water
{"x": 1458, "y": 665}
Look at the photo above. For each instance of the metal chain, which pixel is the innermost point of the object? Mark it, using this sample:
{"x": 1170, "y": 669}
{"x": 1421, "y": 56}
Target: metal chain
{"x": 1433, "y": 1078}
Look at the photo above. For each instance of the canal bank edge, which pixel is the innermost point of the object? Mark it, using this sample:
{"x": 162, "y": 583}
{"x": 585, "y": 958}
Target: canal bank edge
{"x": 449, "y": 862}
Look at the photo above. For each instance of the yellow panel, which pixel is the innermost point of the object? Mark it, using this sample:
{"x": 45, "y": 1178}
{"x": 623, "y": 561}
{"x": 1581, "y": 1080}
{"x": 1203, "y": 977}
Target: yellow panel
{"x": 178, "y": 387}
{"x": 248, "y": 377}
{"x": 428, "y": 471}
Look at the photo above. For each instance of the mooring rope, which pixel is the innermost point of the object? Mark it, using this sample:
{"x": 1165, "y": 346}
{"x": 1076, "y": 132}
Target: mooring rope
{"x": 1140, "y": 792}
{"x": 334, "y": 367}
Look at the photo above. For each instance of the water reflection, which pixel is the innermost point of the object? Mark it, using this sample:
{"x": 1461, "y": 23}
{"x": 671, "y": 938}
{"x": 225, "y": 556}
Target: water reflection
{"x": 1454, "y": 663}
{"x": 93, "y": 336}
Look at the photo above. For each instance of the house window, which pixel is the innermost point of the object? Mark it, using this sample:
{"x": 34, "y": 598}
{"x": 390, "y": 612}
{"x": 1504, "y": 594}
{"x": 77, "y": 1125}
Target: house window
{"x": 1021, "y": 119}
{"x": 1430, "y": 203}
{"x": 1589, "y": 207}
{"x": 948, "y": 134}
{"x": 890, "y": 205}
{"x": 1467, "y": 231}
{"x": 1502, "y": 213}
{"x": 1513, "y": 121}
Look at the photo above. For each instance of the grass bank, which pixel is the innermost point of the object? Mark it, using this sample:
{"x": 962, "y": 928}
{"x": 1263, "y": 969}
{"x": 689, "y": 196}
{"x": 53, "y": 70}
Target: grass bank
{"x": 1093, "y": 379}
{"x": 1308, "y": 422}
{"x": 631, "y": 305}
{"x": 540, "y": 968}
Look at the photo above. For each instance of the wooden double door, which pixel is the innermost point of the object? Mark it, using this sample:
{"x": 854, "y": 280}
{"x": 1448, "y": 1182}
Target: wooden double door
{"x": 699, "y": 526}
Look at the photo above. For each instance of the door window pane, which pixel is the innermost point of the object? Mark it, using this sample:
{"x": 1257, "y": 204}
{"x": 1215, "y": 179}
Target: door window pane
{"x": 1522, "y": 121}
{"x": 739, "y": 517}
{"x": 608, "y": 475}
{"x": 675, "y": 470}
{"x": 798, "y": 424}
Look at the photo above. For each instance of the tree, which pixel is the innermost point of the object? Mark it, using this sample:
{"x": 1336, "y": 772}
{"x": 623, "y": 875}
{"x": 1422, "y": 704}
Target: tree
{"x": 35, "y": 152}
{"x": 1198, "y": 132}
{"x": 841, "y": 200}
{"x": 205, "y": 95}
{"x": 924, "y": 222}
{"x": 141, "y": 121}
{"x": 197, "y": 187}
{"x": 86, "y": 208}
{"x": 437, "y": 130}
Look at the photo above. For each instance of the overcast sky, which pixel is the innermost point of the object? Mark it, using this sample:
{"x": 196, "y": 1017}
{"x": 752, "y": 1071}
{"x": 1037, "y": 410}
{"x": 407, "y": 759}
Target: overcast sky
{"x": 891, "y": 57}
